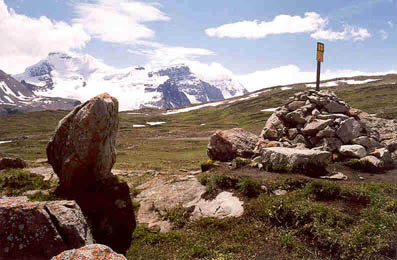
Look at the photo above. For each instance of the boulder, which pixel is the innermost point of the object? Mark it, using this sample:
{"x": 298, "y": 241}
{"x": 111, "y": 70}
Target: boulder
{"x": 366, "y": 141}
{"x": 330, "y": 144}
{"x": 224, "y": 205}
{"x": 326, "y": 133}
{"x": 335, "y": 107}
{"x": 315, "y": 126}
{"x": 40, "y": 229}
{"x": 82, "y": 153}
{"x": 348, "y": 130}
{"x": 294, "y": 105}
{"x": 385, "y": 156}
{"x": 295, "y": 160}
{"x": 90, "y": 252}
{"x": 12, "y": 163}
{"x": 273, "y": 128}
{"x": 355, "y": 151}
{"x": 371, "y": 164}
{"x": 225, "y": 145}
{"x": 295, "y": 117}
{"x": 390, "y": 144}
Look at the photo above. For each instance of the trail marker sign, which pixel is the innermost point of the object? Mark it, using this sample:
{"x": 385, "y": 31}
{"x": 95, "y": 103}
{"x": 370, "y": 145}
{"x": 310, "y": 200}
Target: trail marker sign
{"x": 320, "y": 58}
{"x": 320, "y": 52}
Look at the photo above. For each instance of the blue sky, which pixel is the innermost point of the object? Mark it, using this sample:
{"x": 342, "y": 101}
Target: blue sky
{"x": 253, "y": 40}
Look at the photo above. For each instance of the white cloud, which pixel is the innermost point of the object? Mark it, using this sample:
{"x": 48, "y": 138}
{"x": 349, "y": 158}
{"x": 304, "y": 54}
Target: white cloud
{"x": 26, "y": 40}
{"x": 384, "y": 34}
{"x": 349, "y": 33}
{"x": 292, "y": 74}
{"x": 390, "y": 23}
{"x": 311, "y": 23}
{"x": 118, "y": 21}
{"x": 280, "y": 24}
{"x": 167, "y": 55}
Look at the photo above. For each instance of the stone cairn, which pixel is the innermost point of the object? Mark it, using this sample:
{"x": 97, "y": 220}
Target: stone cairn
{"x": 310, "y": 131}
{"x": 321, "y": 121}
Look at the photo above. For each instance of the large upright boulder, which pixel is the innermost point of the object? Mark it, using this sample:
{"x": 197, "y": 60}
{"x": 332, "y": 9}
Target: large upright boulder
{"x": 82, "y": 153}
{"x": 225, "y": 145}
{"x": 40, "y": 229}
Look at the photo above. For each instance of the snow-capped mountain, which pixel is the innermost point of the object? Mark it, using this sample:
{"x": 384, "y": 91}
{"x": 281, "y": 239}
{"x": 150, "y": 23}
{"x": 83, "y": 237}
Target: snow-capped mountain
{"x": 81, "y": 77}
{"x": 16, "y": 98}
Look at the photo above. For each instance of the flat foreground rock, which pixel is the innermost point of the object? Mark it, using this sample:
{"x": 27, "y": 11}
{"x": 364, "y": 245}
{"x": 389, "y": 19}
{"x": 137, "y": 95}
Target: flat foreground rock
{"x": 224, "y": 205}
{"x": 37, "y": 229}
{"x": 295, "y": 160}
{"x": 90, "y": 252}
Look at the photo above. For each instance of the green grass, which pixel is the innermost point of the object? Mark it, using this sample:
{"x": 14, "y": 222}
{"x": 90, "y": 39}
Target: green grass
{"x": 14, "y": 182}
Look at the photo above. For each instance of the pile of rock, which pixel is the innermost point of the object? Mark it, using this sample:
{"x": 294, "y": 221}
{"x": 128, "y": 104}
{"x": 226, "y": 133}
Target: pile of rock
{"x": 323, "y": 122}
{"x": 310, "y": 131}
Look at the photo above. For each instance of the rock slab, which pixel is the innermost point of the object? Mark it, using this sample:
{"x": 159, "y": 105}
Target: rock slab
{"x": 295, "y": 160}
{"x": 12, "y": 163}
{"x": 224, "y": 205}
{"x": 90, "y": 252}
{"x": 38, "y": 229}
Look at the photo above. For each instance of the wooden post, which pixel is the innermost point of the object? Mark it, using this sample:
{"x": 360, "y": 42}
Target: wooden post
{"x": 318, "y": 75}
{"x": 319, "y": 58}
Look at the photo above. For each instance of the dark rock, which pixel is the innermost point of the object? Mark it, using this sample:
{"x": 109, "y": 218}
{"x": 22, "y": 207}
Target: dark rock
{"x": 12, "y": 163}
{"x": 348, "y": 130}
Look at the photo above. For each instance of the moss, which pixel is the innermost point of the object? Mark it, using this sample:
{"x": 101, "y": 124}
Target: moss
{"x": 249, "y": 187}
{"x": 14, "y": 182}
{"x": 206, "y": 166}
{"x": 40, "y": 196}
{"x": 240, "y": 162}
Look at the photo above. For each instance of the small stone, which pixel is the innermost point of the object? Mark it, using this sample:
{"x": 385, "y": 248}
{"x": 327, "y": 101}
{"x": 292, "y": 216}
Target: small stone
{"x": 279, "y": 192}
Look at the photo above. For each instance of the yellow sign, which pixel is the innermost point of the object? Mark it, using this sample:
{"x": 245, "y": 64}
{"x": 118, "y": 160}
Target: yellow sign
{"x": 320, "y": 52}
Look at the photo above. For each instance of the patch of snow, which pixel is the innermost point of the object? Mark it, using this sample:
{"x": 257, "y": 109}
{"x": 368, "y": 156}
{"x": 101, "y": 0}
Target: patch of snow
{"x": 187, "y": 109}
{"x": 9, "y": 99}
{"x": 324, "y": 85}
{"x": 192, "y": 98}
{"x": 155, "y": 123}
{"x": 5, "y": 142}
{"x": 356, "y": 82}
{"x": 269, "y": 109}
{"x": 202, "y": 124}
{"x": 137, "y": 126}
{"x": 285, "y": 88}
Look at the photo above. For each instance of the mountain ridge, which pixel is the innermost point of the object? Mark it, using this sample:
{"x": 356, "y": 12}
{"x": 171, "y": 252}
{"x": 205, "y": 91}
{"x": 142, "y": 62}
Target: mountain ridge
{"x": 82, "y": 76}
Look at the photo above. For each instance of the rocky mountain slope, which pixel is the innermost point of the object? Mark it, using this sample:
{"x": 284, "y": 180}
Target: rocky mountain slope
{"x": 16, "y": 97}
{"x": 82, "y": 77}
